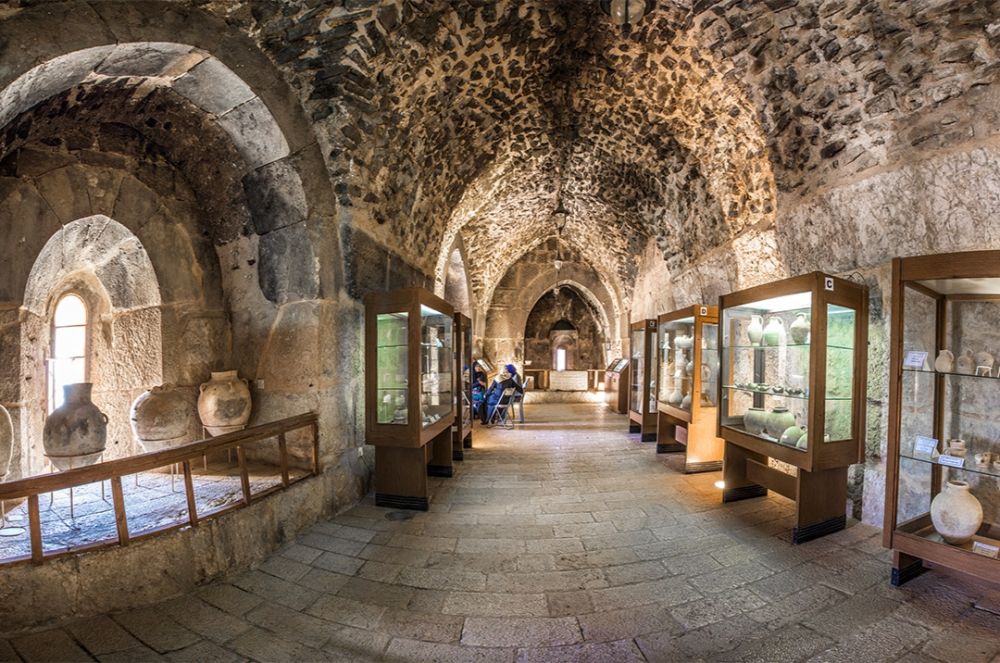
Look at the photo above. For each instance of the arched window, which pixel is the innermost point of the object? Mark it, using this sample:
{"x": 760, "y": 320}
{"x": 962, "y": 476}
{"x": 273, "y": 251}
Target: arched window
{"x": 68, "y": 362}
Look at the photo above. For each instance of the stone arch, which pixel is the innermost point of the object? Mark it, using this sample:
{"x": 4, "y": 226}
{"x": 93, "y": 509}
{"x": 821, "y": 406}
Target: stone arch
{"x": 452, "y": 281}
{"x": 104, "y": 263}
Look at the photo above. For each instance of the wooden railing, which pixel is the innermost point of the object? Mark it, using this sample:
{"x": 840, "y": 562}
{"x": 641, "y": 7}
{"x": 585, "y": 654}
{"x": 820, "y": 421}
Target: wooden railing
{"x": 114, "y": 470}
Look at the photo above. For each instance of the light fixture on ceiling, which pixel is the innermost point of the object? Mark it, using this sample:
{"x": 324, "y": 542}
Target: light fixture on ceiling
{"x": 558, "y": 263}
{"x": 560, "y": 215}
{"x": 627, "y": 13}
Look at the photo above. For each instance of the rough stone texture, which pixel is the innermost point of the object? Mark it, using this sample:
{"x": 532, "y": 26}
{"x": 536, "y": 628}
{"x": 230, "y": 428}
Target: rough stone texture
{"x": 554, "y": 545}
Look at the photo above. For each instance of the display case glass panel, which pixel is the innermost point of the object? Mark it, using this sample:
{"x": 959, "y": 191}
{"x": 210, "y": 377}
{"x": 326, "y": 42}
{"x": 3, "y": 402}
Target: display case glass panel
{"x": 949, "y": 456}
{"x": 638, "y": 374}
{"x": 676, "y": 366}
{"x": 437, "y": 356}
{"x": 392, "y": 351}
{"x": 765, "y": 369}
{"x": 709, "y": 396}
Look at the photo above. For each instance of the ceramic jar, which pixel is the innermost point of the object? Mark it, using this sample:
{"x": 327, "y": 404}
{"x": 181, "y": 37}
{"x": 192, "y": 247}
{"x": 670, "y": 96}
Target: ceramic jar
{"x": 161, "y": 418}
{"x": 774, "y": 333}
{"x": 755, "y": 331}
{"x": 945, "y": 362}
{"x": 76, "y": 433}
{"x": 686, "y": 402}
{"x": 6, "y": 441}
{"x": 966, "y": 363}
{"x": 956, "y": 513}
{"x": 689, "y": 368}
{"x": 224, "y": 403}
{"x": 755, "y": 420}
{"x": 778, "y": 421}
{"x": 676, "y": 397}
{"x": 799, "y": 329}
{"x": 790, "y": 436}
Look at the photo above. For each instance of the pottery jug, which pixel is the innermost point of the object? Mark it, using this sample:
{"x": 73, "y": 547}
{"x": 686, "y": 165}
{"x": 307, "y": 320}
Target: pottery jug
{"x": 774, "y": 333}
{"x": 755, "y": 332}
{"x": 686, "y": 402}
{"x": 790, "y": 436}
{"x": 676, "y": 397}
{"x": 803, "y": 441}
{"x": 956, "y": 514}
{"x": 754, "y": 420}
{"x": 945, "y": 362}
{"x": 161, "y": 418}
{"x": 966, "y": 363}
{"x": 689, "y": 368}
{"x": 224, "y": 403}
{"x": 778, "y": 421}
{"x": 799, "y": 329}
{"x": 76, "y": 433}
{"x": 6, "y": 441}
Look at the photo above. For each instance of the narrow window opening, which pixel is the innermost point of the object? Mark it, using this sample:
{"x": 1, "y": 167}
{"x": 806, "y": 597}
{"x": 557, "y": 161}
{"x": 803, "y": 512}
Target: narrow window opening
{"x": 68, "y": 361}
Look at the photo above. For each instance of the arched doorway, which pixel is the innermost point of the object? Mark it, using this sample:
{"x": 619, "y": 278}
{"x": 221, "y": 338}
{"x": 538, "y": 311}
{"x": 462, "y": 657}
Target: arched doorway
{"x": 563, "y": 320}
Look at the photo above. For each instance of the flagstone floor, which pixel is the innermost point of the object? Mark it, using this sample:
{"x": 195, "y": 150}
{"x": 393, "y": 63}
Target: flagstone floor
{"x": 562, "y": 540}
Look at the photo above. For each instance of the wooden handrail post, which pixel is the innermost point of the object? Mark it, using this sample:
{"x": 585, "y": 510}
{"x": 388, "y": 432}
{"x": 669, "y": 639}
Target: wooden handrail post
{"x": 35, "y": 525}
{"x": 283, "y": 452}
{"x": 189, "y": 489}
{"x": 118, "y": 502}
{"x": 244, "y": 476}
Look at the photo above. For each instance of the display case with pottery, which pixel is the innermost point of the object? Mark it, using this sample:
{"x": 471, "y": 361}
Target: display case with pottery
{"x": 792, "y": 388}
{"x": 942, "y": 505}
{"x": 686, "y": 407}
{"x": 643, "y": 378}
{"x": 410, "y": 356}
{"x": 462, "y": 430}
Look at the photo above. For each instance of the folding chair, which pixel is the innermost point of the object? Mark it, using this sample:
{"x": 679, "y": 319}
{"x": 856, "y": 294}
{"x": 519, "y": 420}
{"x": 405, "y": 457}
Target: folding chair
{"x": 517, "y": 402}
{"x": 500, "y": 416}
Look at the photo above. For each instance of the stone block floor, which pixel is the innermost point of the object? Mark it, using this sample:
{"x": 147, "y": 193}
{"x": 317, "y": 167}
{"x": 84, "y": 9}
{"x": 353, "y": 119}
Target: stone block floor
{"x": 562, "y": 540}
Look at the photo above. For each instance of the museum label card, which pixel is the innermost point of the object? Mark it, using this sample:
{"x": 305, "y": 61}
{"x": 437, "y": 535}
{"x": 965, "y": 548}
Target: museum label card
{"x": 986, "y": 550}
{"x": 915, "y": 359}
{"x": 925, "y": 445}
{"x": 951, "y": 461}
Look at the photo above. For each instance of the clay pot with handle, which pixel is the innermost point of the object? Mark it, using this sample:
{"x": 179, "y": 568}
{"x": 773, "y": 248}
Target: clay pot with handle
{"x": 224, "y": 403}
{"x": 76, "y": 433}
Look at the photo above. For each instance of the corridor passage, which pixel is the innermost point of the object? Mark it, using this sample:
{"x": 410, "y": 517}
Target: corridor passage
{"x": 562, "y": 540}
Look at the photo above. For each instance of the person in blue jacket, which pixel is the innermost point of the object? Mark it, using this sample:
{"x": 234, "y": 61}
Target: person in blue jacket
{"x": 505, "y": 380}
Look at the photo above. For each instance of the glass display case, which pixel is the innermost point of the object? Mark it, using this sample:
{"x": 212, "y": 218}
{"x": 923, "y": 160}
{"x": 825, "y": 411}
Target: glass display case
{"x": 462, "y": 428}
{"x": 943, "y": 470}
{"x": 792, "y": 388}
{"x": 409, "y": 392}
{"x": 688, "y": 386}
{"x": 642, "y": 380}
{"x": 617, "y": 385}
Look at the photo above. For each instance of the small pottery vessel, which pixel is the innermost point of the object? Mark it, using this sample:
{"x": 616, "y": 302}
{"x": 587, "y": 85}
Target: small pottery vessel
{"x": 76, "y": 433}
{"x": 983, "y": 459}
{"x": 686, "y": 402}
{"x": 162, "y": 418}
{"x": 774, "y": 333}
{"x": 799, "y": 329}
{"x": 6, "y": 441}
{"x": 224, "y": 403}
{"x": 683, "y": 342}
{"x": 956, "y": 448}
{"x": 754, "y": 420}
{"x": 755, "y": 331}
{"x": 945, "y": 362}
{"x": 689, "y": 368}
{"x": 803, "y": 441}
{"x": 956, "y": 513}
{"x": 966, "y": 363}
{"x": 790, "y": 436}
{"x": 984, "y": 359}
{"x": 778, "y": 421}
{"x": 676, "y": 397}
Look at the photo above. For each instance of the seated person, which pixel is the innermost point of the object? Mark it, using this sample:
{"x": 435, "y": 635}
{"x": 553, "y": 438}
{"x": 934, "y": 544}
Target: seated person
{"x": 505, "y": 380}
{"x": 478, "y": 389}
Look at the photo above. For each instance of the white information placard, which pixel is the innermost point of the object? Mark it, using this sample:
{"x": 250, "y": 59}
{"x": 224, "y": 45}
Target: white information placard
{"x": 915, "y": 359}
{"x": 986, "y": 550}
{"x": 951, "y": 461}
{"x": 925, "y": 445}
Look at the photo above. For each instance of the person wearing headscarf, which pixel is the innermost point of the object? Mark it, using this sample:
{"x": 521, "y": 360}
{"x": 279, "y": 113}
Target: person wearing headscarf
{"x": 478, "y": 388}
{"x": 505, "y": 380}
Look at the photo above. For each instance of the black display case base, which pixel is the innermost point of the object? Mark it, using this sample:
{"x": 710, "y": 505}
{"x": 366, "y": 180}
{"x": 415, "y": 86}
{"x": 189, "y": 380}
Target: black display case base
{"x": 634, "y": 428}
{"x": 401, "y": 502}
{"x": 743, "y": 493}
{"x": 707, "y": 466}
{"x": 457, "y": 454}
{"x": 816, "y": 530}
{"x": 907, "y": 573}
{"x": 648, "y": 437}
{"x": 669, "y": 447}
{"x": 440, "y": 471}
{"x": 467, "y": 443}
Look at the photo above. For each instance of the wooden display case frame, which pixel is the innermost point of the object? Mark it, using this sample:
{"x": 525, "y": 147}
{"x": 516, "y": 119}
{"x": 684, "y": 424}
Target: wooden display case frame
{"x": 462, "y": 434}
{"x": 911, "y": 549}
{"x": 640, "y": 421}
{"x": 699, "y": 441}
{"x": 405, "y": 454}
{"x": 617, "y": 384}
{"x": 819, "y": 485}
